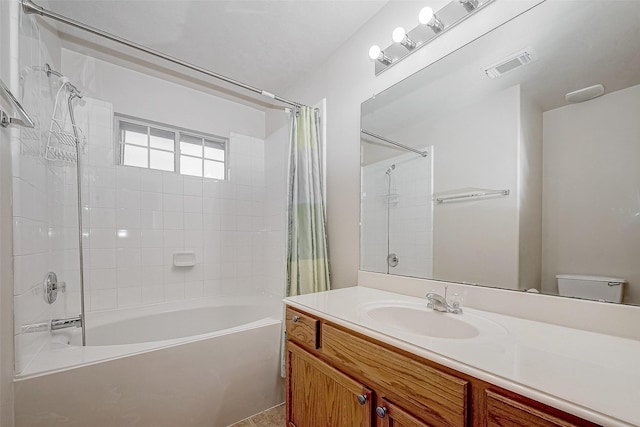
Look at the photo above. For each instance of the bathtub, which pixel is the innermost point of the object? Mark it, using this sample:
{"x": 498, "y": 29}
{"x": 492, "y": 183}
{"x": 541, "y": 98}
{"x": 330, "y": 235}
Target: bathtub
{"x": 208, "y": 362}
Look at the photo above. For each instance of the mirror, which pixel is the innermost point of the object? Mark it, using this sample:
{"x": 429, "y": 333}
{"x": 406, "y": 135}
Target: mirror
{"x": 518, "y": 186}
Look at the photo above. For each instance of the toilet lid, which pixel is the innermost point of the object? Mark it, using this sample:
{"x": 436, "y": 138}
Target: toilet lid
{"x": 594, "y": 278}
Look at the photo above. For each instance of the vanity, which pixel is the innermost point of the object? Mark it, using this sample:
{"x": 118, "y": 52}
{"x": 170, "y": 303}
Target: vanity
{"x": 365, "y": 357}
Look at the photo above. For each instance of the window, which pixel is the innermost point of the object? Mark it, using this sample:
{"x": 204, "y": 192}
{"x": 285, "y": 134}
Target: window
{"x": 147, "y": 145}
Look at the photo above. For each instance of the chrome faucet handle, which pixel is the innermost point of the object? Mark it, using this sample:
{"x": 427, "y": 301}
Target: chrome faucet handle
{"x": 455, "y": 304}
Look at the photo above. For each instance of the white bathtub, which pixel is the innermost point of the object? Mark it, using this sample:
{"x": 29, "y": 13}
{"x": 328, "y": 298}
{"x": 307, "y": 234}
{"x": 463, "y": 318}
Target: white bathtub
{"x": 195, "y": 363}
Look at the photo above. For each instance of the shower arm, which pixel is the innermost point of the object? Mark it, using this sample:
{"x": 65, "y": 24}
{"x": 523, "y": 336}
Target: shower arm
{"x": 28, "y": 6}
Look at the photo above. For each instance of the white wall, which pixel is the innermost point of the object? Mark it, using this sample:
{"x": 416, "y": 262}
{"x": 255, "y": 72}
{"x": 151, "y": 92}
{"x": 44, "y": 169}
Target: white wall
{"x": 530, "y": 195}
{"x": 140, "y": 95}
{"x": 591, "y": 175}
{"x": 346, "y": 80}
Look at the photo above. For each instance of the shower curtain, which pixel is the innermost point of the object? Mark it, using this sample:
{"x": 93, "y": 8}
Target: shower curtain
{"x": 307, "y": 260}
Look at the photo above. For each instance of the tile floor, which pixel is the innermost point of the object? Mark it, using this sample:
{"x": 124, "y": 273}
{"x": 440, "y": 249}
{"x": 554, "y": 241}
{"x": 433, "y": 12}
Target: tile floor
{"x": 274, "y": 417}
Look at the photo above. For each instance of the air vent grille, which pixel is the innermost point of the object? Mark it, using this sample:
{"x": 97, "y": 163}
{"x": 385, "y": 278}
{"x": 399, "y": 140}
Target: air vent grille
{"x": 510, "y": 63}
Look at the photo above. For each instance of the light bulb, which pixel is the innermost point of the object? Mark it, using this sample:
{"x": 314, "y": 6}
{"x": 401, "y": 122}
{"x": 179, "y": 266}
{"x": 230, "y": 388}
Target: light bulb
{"x": 426, "y": 15}
{"x": 398, "y": 35}
{"x": 374, "y": 52}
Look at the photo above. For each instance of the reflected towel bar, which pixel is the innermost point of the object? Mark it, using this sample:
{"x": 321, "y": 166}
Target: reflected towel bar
{"x": 474, "y": 195}
{"x": 6, "y": 119}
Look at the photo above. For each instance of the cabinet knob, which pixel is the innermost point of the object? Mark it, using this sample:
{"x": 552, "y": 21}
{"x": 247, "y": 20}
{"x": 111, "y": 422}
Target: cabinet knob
{"x": 362, "y": 399}
{"x": 381, "y": 411}
{"x": 296, "y": 319}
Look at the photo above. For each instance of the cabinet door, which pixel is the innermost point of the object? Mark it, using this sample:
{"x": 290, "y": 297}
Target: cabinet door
{"x": 390, "y": 415}
{"x": 505, "y": 412}
{"x": 318, "y": 395}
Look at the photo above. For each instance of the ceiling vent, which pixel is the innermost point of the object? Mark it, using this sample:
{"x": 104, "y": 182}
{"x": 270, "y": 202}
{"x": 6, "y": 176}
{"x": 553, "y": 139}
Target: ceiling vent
{"x": 510, "y": 63}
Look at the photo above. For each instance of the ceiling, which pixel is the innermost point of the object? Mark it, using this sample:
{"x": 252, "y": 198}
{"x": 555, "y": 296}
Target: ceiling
{"x": 269, "y": 44}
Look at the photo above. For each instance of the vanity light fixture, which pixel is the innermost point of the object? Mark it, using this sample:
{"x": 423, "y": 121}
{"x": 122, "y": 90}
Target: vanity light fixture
{"x": 399, "y": 35}
{"x": 431, "y": 24}
{"x": 377, "y": 54}
{"x": 428, "y": 17}
{"x": 469, "y": 5}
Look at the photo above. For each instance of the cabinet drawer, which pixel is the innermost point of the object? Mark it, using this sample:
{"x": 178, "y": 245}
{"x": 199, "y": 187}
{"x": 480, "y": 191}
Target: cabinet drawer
{"x": 303, "y": 329}
{"x": 434, "y": 396}
{"x": 505, "y": 412}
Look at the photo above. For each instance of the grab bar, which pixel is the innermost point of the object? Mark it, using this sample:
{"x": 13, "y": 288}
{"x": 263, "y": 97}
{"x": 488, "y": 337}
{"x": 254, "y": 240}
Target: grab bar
{"x": 6, "y": 120}
{"x": 474, "y": 195}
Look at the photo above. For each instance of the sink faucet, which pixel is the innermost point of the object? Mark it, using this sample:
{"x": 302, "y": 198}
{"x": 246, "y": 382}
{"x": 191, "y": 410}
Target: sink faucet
{"x": 439, "y": 303}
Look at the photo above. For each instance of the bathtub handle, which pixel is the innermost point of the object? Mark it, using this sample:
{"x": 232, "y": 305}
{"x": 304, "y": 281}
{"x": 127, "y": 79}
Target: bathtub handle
{"x": 296, "y": 319}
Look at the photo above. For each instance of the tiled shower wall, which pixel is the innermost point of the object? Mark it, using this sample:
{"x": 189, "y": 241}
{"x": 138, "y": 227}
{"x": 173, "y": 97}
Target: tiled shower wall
{"x": 40, "y": 243}
{"x": 135, "y": 219}
{"x": 138, "y": 218}
{"x": 398, "y": 213}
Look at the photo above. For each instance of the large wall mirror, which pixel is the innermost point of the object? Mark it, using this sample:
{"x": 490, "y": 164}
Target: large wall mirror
{"x": 510, "y": 176}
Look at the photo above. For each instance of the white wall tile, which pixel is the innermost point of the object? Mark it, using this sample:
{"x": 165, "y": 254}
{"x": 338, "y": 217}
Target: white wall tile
{"x": 172, "y": 184}
{"x": 103, "y": 278}
{"x": 174, "y": 291}
{"x": 129, "y": 297}
{"x": 193, "y": 204}
{"x": 152, "y": 294}
{"x": 128, "y": 238}
{"x": 151, "y": 238}
{"x": 151, "y": 201}
{"x": 102, "y": 238}
{"x": 102, "y": 217}
{"x": 104, "y": 299}
{"x": 103, "y": 258}
{"x": 192, "y": 186}
{"x": 173, "y": 221}
{"x": 127, "y": 218}
{"x": 193, "y": 290}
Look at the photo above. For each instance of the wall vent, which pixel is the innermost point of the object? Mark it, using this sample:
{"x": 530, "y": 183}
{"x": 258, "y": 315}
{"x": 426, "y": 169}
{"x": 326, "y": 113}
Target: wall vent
{"x": 510, "y": 63}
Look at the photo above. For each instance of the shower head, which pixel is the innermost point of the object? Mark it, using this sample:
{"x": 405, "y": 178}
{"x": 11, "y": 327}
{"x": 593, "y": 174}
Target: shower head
{"x": 392, "y": 167}
{"x": 64, "y": 81}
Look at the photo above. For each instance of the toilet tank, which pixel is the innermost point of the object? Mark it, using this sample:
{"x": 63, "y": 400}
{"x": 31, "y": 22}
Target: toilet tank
{"x": 597, "y": 288}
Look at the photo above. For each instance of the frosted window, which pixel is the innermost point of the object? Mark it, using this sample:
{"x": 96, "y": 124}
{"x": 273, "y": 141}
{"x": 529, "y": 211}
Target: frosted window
{"x": 191, "y": 166}
{"x": 190, "y": 145}
{"x": 135, "y": 156}
{"x": 162, "y": 139}
{"x": 213, "y": 150}
{"x": 134, "y": 134}
{"x": 162, "y": 160}
{"x": 160, "y": 147}
{"x": 213, "y": 169}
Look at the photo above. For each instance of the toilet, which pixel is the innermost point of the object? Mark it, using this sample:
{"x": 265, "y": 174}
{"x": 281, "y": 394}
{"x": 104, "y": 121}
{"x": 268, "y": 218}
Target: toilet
{"x": 598, "y": 288}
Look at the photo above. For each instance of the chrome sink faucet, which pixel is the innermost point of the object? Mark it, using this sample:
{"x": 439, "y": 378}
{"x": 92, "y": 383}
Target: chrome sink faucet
{"x": 439, "y": 303}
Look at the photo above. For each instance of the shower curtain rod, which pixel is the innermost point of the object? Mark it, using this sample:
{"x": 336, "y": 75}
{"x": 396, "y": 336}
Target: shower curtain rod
{"x": 397, "y": 144}
{"x": 28, "y": 6}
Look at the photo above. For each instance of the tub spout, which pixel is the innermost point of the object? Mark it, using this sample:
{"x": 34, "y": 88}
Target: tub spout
{"x": 69, "y": 322}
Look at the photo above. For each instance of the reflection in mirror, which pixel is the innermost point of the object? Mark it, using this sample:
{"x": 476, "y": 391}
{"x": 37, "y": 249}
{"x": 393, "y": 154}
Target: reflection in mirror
{"x": 523, "y": 187}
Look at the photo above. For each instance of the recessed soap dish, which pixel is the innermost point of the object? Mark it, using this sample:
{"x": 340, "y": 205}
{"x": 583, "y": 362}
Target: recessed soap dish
{"x": 184, "y": 259}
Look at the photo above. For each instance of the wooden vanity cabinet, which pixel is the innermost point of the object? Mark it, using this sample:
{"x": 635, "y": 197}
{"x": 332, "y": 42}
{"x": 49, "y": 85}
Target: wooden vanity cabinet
{"x": 320, "y": 395}
{"x": 339, "y": 378}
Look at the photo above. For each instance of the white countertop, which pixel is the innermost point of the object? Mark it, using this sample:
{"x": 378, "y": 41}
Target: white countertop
{"x": 590, "y": 375}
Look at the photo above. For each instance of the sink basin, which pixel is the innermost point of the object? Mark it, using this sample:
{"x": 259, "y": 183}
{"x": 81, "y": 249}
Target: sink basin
{"x": 423, "y": 321}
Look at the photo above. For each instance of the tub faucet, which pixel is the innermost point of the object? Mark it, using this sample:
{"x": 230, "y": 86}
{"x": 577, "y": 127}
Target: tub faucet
{"x": 69, "y": 322}
{"x": 439, "y": 303}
